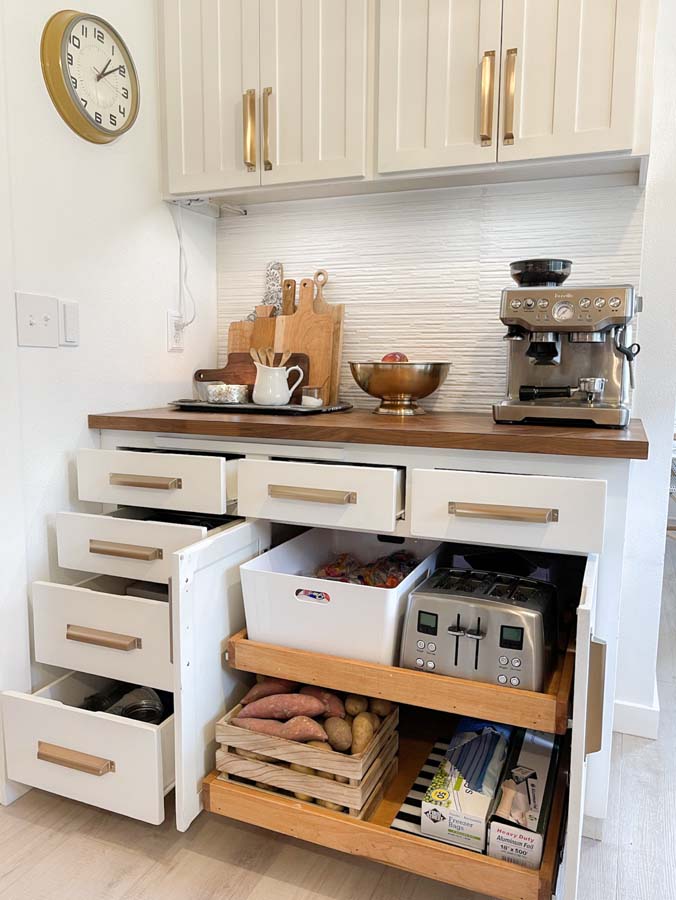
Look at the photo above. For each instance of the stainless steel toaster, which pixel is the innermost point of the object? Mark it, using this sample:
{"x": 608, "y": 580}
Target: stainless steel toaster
{"x": 484, "y": 626}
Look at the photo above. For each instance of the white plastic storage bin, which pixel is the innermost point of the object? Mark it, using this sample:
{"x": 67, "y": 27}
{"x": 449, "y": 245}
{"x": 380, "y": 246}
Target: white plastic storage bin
{"x": 284, "y": 604}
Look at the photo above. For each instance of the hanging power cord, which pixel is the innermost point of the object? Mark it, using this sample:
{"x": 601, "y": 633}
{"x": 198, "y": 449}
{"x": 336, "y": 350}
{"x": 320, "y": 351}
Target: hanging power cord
{"x": 183, "y": 285}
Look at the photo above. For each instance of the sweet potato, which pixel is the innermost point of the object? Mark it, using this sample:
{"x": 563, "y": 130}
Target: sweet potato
{"x": 333, "y": 705}
{"x": 267, "y": 688}
{"x": 300, "y": 728}
{"x": 355, "y": 703}
{"x": 362, "y": 733}
{"x": 339, "y": 732}
{"x": 381, "y": 707}
{"x": 283, "y": 706}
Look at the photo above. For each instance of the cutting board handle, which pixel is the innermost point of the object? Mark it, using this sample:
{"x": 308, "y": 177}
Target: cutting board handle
{"x": 306, "y": 297}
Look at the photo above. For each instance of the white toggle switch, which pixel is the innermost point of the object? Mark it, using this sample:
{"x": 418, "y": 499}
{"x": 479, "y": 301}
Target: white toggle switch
{"x": 69, "y": 323}
{"x": 37, "y": 320}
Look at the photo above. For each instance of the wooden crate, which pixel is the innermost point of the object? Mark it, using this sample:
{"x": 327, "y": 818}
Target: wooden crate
{"x": 366, "y": 771}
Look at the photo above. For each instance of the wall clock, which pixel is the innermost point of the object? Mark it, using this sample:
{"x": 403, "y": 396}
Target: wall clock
{"x": 90, "y": 75}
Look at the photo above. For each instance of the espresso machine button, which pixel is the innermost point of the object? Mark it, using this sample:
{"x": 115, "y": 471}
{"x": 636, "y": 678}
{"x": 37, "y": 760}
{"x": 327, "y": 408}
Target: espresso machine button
{"x": 543, "y": 303}
{"x": 529, "y": 303}
{"x": 585, "y": 303}
{"x": 515, "y": 304}
{"x": 614, "y": 303}
{"x": 600, "y": 302}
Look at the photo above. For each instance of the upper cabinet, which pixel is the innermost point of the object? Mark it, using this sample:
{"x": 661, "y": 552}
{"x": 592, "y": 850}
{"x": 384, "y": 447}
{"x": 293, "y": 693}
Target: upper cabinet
{"x": 437, "y": 84}
{"x": 568, "y": 77}
{"x": 263, "y": 92}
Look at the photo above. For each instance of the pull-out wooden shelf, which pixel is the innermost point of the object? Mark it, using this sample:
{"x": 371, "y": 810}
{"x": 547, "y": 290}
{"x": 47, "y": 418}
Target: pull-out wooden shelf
{"x": 374, "y": 839}
{"x": 547, "y": 711}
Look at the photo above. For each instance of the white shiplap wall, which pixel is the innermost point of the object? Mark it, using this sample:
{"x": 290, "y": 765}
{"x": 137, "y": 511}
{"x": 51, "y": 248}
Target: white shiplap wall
{"x": 422, "y": 271}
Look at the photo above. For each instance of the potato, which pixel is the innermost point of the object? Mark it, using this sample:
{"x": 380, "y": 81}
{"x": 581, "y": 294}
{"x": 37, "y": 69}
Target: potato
{"x": 249, "y": 754}
{"x": 300, "y": 728}
{"x": 327, "y": 804}
{"x": 362, "y": 733}
{"x": 339, "y": 733}
{"x": 305, "y": 770}
{"x": 355, "y": 703}
{"x": 328, "y": 775}
{"x": 267, "y": 687}
{"x": 375, "y": 720}
{"x": 381, "y": 707}
{"x": 343, "y": 779}
{"x": 282, "y": 706}
{"x": 333, "y": 705}
{"x": 317, "y": 745}
{"x": 349, "y": 720}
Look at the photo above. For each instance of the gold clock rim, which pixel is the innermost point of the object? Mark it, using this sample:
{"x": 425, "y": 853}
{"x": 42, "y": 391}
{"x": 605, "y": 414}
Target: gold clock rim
{"x": 54, "y": 77}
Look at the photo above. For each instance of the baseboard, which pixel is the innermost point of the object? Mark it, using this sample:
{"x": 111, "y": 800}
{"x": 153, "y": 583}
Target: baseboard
{"x": 637, "y": 719}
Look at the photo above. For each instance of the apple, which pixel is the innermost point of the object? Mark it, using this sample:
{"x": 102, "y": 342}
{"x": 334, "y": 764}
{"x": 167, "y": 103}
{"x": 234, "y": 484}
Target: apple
{"x": 394, "y": 357}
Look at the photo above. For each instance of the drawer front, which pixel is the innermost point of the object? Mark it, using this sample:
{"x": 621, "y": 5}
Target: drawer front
{"x": 530, "y": 511}
{"x": 160, "y": 480}
{"x": 109, "y": 634}
{"x": 108, "y": 761}
{"x": 359, "y": 497}
{"x": 125, "y": 547}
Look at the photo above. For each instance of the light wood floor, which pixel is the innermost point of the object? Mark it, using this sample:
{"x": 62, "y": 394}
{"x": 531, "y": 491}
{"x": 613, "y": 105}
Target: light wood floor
{"x": 55, "y": 849}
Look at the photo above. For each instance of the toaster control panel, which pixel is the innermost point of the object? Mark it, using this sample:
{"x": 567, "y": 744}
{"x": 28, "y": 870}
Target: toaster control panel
{"x": 485, "y": 627}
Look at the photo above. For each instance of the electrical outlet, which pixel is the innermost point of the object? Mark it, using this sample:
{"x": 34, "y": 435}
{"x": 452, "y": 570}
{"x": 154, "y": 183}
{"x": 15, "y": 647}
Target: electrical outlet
{"x": 175, "y": 341}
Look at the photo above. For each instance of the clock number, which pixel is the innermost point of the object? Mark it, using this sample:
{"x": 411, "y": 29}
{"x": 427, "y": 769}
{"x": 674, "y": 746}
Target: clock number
{"x": 98, "y": 119}
{"x": 125, "y": 93}
{"x": 123, "y": 110}
{"x": 69, "y": 57}
{"x": 85, "y": 31}
{"x": 113, "y": 119}
{"x": 84, "y": 102}
{"x": 75, "y": 41}
{"x": 98, "y": 34}
{"x": 123, "y": 71}
{"x": 73, "y": 81}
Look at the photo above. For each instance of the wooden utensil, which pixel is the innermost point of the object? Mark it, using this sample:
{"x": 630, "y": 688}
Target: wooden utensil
{"x": 240, "y": 369}
{"x": 307, "y": 332}
{"x": 289, "y": 297}
{"x": 337, "y": 311}
{"x": 263, "y": 334}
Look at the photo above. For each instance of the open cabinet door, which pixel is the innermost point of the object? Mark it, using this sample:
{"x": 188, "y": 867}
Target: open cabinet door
{"x": 206, "y": 598}
{"x": 587, "y": 714}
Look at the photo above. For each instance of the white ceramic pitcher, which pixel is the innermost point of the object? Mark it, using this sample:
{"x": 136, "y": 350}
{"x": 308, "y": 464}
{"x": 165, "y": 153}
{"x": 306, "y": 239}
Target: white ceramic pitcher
{"x": 272, "y": 384}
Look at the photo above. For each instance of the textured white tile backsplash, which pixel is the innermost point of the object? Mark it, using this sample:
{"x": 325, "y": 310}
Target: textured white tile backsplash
{"x": 422, "y": 271}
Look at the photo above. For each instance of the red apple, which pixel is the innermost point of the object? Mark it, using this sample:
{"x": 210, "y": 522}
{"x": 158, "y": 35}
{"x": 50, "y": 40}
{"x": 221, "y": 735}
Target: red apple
{"x": 394, "y": 357}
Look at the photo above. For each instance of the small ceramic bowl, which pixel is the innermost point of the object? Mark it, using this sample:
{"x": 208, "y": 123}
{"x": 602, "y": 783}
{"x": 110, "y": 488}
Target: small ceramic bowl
{"x": 227, "y": 393}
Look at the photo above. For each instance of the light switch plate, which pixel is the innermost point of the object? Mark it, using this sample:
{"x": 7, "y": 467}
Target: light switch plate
{"x": 69, "y": 323}
{"x": 37, "y": 320}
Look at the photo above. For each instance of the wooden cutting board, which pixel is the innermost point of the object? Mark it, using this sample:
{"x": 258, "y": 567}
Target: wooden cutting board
{"x": 240, "y": 369}
{"x": 337, "y": 311}
{"x": 239, "y": 337}
{"x": 308, "y": 332}
{"x": 263, "y": 334}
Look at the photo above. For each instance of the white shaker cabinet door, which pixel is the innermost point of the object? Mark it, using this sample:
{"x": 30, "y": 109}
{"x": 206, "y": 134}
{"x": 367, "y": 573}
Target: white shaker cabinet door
{"x": 568, "y": 77}
{"x": 210, "y": 62}
{"x": 438, "y": 86}
{"x": 313, "y": 89}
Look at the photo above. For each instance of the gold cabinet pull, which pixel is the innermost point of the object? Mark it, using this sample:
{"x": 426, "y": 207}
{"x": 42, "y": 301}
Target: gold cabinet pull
{"x": 487, "y": 97}
{"x": 507, "y": 513}
{"x": 154, "y": 482}
{"x": 595, "y": 696}
{"x": 267, "y": 162}
{"x": 125, "y": 551}
{"x": 249, "y": 129}
{"x": 510, "y": 90}
{"x": 312, "y": 495}
{"x": 74, "y": 759}
{"x": 109, "y": 639}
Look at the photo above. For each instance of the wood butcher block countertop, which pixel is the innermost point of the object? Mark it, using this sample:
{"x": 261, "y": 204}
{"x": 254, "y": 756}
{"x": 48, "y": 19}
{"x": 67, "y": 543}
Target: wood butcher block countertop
{"x": 437, "y": 430}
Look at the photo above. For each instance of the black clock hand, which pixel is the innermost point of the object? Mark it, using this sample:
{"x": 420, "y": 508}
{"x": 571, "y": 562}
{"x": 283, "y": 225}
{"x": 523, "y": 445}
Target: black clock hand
{"x": 105, "y": 74}
{"x": 102, "y": 73}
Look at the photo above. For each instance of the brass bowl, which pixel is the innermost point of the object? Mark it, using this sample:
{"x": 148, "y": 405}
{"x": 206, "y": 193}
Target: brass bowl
{"x": 398, "y": 385}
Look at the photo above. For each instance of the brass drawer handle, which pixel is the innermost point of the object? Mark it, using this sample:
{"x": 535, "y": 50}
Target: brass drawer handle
{"x": 595, "y": 696}
{"x": 154, "y": 482}
{"x": 506, "y": 513}
{"x": 312, "y": 495}
{"x": 249, "y": 129}
{"x": 487, "y": 96}
{"x": 109, "y": 639}
{"x": 74, "y": 759}
{"x": 510, "y": 91}
{"x": 267, "y": 162}
{"x": 125, "y": 551}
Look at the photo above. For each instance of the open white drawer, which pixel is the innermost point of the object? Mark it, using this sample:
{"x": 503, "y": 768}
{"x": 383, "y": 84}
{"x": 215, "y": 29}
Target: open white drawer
{"x": 177, "y": 481}
{"x": 94, "y": 627}
{"x": 129, "y": 542}
{"x": 367, "y": 498}
{"x": 108, "y": 761}
{"x": 536, "y": 512}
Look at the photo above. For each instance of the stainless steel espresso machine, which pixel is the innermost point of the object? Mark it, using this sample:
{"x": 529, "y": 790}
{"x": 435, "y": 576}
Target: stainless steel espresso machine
{"x": 571, "y": 356}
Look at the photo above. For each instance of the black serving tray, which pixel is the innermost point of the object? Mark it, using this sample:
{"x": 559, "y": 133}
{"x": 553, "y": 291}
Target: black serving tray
{"x": 289, "y": 410}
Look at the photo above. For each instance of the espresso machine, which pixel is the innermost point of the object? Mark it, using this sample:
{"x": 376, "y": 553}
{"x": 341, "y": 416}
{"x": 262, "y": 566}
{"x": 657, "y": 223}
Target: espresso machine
{"x": 571, "y": 356}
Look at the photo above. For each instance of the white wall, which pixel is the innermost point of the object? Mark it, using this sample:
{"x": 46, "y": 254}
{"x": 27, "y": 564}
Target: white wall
{"x": 637, "y": 708}
{"x": 422, "y": 271}
{"x": 14, "y": 666}
{"x": 88, "y": 225}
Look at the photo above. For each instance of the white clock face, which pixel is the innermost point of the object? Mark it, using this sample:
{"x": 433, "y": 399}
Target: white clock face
{"x": 100, "y": 74}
